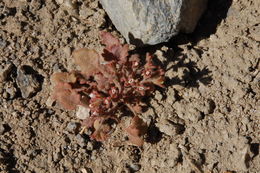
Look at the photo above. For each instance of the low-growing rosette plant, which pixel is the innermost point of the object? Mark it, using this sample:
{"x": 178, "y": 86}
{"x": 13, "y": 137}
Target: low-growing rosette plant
{"x": 106, "y": 83}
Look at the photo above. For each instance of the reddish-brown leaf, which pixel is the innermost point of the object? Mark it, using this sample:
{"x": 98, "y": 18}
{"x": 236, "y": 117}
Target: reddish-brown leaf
{"x": 103, "y": 128}
{"x": 87, "y": 60}
{"x": 136, "y": 130}
{"x": 156, "y": 80}
{"x": 114, "y": 50}
{"x": 103, "y": 84}
{"x": 63, "y": 77}
{"x": 102, "y": 131}
{"x": 123, "y": 53}
{"x": 109, "y": 40}
{"x": 69, "y": 99}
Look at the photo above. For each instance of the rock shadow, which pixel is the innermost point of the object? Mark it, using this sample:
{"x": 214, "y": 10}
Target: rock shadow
{"x": 135, "y": 41}
{"x": 216, "y": 12}
{"x": 207, "y": 25}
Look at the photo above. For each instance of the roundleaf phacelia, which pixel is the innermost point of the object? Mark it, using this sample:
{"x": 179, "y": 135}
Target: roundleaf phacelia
{"x": 105, "y": 83}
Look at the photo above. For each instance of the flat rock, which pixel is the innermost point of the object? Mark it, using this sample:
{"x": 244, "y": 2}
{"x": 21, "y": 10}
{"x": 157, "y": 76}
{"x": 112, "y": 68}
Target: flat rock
{"x": 153, "y": 22}
{"x": 27, "y": 81}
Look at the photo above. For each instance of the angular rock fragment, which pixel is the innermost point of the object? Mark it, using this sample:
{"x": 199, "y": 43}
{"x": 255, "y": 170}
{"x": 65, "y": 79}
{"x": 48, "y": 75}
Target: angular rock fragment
{"x": 152, "y": 22}
{"x": 27, "y": 81}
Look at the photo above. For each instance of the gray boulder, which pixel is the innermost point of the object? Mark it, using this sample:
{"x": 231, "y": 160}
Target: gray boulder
{"x": 153, "y": 21}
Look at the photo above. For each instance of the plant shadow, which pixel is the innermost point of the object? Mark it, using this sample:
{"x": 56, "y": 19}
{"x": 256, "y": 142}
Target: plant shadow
{"x": 192, "y": 75}
{"x": 154, "y": 135}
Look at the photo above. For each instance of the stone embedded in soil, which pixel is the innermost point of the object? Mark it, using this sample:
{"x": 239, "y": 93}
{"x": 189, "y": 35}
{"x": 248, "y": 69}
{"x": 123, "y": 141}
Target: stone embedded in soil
{"x": 2, "y": 129}
{"x": 90, "y": 146}
{"x": 57, "y": 156}
{"x": 82, "y": 113}
{"x": 80, "y": 140}
{"x": 72, "y": 126}
{"x": 11, "y": 91}
{"x": 133, "y": 167}
{"x": 170, "y": 128}
{"x": 3, "y": 43}
{"x": 49, "y": 102}
{"x": 27, "y": 82}
{"x": 153, "y": 22}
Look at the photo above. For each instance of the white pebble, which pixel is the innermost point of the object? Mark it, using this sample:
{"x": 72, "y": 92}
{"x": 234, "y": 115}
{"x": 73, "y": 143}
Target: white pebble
{"x": 82, "y": 113}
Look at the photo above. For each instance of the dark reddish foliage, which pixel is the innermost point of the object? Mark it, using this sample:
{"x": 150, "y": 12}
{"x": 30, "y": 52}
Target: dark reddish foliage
{"x": 106, "y": 82}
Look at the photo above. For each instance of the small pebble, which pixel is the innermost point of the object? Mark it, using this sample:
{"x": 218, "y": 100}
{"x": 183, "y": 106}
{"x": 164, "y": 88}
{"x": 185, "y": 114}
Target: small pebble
{"x": 72, "y": 127}
{"x": 82, "y": 113}
{"x": 69, "y": 4}
{"x": 83, "y": 170}
{"x": 2, "y": 129}
{"x": 57, "y": 156}
{"x": 5, "y": 95}
{"x": 12, "y": 92}
{"x": 134, "y": 167}
{"x": 3, "y": 43}
{"x": 50, "y": 101}
{"x": 90, "y": 146}
{"x": 81, "y": 141}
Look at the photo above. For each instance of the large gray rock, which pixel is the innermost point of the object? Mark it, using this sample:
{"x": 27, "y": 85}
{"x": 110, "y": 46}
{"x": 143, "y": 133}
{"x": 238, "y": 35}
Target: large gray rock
{"x": 153, "y": 21}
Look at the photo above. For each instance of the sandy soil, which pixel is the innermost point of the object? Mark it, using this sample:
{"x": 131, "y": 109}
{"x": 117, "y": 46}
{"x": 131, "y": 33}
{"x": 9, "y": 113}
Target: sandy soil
{"x": 206, "y": 120}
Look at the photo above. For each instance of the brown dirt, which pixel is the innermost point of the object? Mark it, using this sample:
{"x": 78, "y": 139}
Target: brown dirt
{"x": 206, "y": 120}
